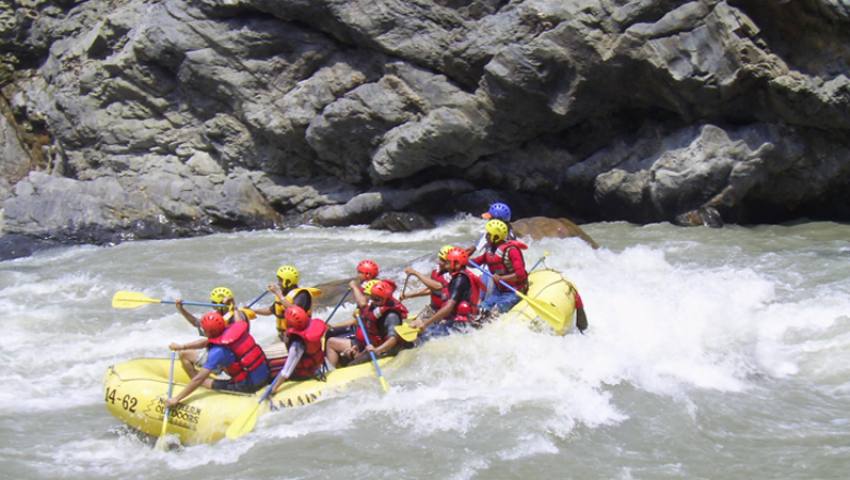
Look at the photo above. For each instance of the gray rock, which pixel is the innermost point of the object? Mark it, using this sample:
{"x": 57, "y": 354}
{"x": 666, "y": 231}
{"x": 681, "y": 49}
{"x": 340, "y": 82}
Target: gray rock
{"x": 177, "y": 118}
{"x": 15, "y": 162}
{"x": 401, "y": 222}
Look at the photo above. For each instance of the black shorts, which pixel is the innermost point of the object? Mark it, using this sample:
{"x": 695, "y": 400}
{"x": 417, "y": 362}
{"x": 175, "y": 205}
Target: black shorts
{"x": 245, "y": 386}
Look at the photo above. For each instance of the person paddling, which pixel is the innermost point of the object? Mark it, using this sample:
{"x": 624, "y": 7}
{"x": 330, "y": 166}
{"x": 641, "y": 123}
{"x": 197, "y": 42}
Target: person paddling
{"x": 505, "y": 262}
{"x": 380, "y": 313}
{"x": 231, "y": 348}
{"x": 436, "y": 284}
{"x": 192, "y": 360}
{"x": 303, "y": 337}
{"x": 287, "y": 293}
{"x": 459, "y": 310}
{"x": 497, "y": 211}
{"x": 367, "y": 275}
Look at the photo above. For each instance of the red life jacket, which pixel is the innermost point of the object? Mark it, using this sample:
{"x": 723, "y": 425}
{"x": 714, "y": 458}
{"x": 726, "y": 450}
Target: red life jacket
{"x": 372, "y": 320}
{"x": 314, "y": 356}
{"x": 438, "y": 298}
{"x": 249, "y": 355}
{"x": 499, "y": 263}
{"x": 466, "y": 310}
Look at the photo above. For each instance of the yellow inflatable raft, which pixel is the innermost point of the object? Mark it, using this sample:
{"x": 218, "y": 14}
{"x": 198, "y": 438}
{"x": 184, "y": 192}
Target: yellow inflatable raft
{"x": 134, "y": 390}
{"x": 555, "y": 293}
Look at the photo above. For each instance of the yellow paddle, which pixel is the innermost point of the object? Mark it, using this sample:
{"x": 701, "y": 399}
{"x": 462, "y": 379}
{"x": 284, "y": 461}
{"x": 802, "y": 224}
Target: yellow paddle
{"x": 160, "y": 442}
{"x": 125, "y": 299}
{"x": 545, "y": 311}
{"x": 246, "y": 422}
{"x": 406, "y": 332}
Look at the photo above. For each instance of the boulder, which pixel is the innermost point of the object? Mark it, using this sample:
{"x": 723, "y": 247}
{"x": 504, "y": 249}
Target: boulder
{"x": 542, "y": 227}
{"x": 401, "y": 222}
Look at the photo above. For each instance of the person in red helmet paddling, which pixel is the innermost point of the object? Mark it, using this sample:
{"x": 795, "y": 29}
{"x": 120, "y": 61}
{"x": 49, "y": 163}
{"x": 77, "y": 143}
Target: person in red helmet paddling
{"x": 380, "y": 313}
{"x": 232, "y": 349}
{"x": 303, "y": 336}
{"x": 367, "y": 274}
{"x": 436, "y": 284}
{"x": 193, "y": 360}
{"x": 460, "y": 309}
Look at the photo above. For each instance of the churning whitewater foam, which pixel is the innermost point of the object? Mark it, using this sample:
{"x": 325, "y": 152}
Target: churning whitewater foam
{"x": 669, "y": 318}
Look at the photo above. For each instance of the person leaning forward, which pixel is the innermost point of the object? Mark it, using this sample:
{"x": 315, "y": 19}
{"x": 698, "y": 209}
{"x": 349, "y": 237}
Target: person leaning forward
{"x": 460, "y": 309}
{"x": 193, "y": 360}
{"x": 232, "y": 349}
{"x": 303, "y": 337}
{"x": 436, "y": 284}
{"x": 380, "y": 313}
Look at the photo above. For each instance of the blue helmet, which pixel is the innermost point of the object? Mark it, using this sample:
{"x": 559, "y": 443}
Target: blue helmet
{"x": 500, "y": 211}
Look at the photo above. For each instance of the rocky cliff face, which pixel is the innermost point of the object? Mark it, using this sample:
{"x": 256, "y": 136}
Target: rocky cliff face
{"x": 144, "y": 119}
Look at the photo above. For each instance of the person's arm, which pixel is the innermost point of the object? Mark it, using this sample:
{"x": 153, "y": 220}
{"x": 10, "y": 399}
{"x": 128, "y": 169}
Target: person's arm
{"x": 279, "y": 297}
{"x": 188, "y": 316}
{"x": 443, "y": 312}
{"x": 481, "y": 245}
{"x": 479, "y": 260}
{"x": 193, "y": 345}
{"x": 425, "y": 279}
{"x": 359, "y": 297}
{"x": 239, "y": 315}
{"x": 196, "y": 381}
{"x": 296, "y": 351}
{"x": 418, "y": 293}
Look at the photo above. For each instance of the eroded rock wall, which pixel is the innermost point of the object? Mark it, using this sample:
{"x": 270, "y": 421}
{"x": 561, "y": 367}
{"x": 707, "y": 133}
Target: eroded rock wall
{"x": 163, "y": 118}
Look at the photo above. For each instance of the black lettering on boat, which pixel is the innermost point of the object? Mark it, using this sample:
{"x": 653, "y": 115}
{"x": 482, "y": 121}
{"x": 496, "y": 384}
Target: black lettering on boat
{"x": 110, "y": 395}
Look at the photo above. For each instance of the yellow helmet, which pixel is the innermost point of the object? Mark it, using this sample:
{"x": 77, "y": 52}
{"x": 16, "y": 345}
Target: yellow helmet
{"x": 497, "y": 229}
{"x": 288, "y": 275}
{"x": 367, "y": 287}
{"x": 444, "y": 251}
{"x": 220, "y": 294}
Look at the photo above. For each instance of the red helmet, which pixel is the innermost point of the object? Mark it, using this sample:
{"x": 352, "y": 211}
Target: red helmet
{"x": 296, "y": 318}
{"x": 213, "y": 324}
{"x": 457, "y": 258}
{"x": 382, "y": 289}
{"x": 368, "y": 268}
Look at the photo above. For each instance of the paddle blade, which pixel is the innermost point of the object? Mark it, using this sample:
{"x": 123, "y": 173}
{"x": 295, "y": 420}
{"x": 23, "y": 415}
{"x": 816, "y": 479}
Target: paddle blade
{"x": 125, "y": 299}
{"x": 406, "y": 332}
{"x": 244, "y": 424}
{"x": 161, "y": 443}
{"x": 384, "y": 384}
{"x": 548, "y": 313}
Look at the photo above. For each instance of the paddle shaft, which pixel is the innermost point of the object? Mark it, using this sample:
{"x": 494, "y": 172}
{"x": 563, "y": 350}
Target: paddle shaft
{"x": 164, "y": 430}
{"x": 504, "y": 284}
{"x": 539, "y": 261}
{"x": 339, "y": 304}
{"x": 404, "y": 287}
{"x": 196, "y": 304}
{"x": 372, "y": 354}
{"x": 259, "y": 297}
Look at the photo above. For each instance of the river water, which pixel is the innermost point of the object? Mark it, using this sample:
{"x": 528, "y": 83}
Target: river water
{"x": 712, "y": 353}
